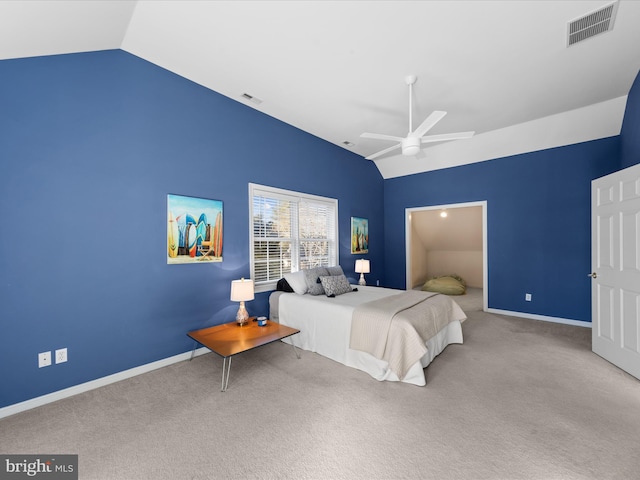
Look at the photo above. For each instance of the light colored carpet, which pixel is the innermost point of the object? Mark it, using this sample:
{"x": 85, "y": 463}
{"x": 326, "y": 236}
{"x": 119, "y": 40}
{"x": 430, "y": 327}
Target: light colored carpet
{"x": 521, "y": 399}
{"x": 471, "y": 301}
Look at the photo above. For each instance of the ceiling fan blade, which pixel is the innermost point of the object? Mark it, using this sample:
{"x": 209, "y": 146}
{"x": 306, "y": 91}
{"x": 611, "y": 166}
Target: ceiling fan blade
{"x": 446, "y": 136}
{"x": 380, "y": 136}
{"x": 429, "y": 122}
{"x": 382, "y": 152}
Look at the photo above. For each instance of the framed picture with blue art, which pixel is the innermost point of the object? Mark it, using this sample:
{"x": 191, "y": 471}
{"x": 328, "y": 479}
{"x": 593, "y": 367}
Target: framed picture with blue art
{"x": 194, "y": 230}
{"x": 359, "y": 235}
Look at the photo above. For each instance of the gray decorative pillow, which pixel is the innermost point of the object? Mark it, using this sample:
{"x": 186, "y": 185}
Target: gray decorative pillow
{"x": 337, "y": 270}
{"x": 335, "y": 285}
{"x": 314, "y": 286}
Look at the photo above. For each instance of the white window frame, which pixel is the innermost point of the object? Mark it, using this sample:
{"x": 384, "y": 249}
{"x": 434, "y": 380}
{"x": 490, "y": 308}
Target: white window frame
{"x": 294, "y": 197}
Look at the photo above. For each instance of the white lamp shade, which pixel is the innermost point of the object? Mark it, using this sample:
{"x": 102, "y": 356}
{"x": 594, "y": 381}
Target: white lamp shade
{"x": 362, "y": 266}
{"x": 241, "y": 290}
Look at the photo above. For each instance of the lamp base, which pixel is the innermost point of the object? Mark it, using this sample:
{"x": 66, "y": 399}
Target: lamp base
{"x": 242, "y": 317}
{"x": 362, "y": 282}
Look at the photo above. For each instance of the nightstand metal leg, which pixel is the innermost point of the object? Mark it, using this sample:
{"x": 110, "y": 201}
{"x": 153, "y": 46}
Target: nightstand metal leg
{"x": 226, "y": 369}
{"x": 195, "y": 344}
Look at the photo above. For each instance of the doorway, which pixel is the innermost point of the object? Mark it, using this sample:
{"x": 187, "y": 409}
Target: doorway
{"x": 447, "y": 239}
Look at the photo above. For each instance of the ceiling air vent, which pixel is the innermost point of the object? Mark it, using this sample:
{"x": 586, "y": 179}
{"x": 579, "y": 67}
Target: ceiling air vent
{"x": 591, "y": 24}
{"x": 251, "y": 98}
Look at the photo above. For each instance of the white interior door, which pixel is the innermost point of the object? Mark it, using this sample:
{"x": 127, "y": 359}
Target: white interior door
{"x": 615, "y": 260}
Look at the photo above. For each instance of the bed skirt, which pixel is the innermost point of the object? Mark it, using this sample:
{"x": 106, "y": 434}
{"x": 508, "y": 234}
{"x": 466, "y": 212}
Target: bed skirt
{"x": 338, "y": 350}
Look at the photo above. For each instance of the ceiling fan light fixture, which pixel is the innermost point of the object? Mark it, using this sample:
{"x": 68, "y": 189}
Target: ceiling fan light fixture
{"x": 410, "y": 146}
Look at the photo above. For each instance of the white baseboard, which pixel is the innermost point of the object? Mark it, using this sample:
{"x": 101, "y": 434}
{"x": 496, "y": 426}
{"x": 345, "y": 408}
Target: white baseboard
{"x": 544, "y": 318}
{"x": 93, "y": 384}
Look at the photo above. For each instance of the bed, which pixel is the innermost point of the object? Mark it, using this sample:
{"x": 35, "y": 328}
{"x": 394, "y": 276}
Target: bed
{"x": 325, "y": 325}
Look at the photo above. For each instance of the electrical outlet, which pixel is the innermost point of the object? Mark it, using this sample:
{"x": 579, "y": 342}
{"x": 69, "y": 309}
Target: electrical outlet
{"x": 44, "y": 359}
{"x": 61, "y": 355}
{"x": 527, "y": 297}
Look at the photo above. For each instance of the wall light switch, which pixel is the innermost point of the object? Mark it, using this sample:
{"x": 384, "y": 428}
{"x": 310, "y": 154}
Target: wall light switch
{"x": 527, "y": 297}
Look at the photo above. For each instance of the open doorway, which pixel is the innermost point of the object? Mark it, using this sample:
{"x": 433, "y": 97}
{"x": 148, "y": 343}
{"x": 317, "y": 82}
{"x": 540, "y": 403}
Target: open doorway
{"x": 446, "y": 240}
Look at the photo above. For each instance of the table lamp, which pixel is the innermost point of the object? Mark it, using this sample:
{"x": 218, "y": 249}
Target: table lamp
{"x": 241, "y": 291}
{"x": 362, "y": 267}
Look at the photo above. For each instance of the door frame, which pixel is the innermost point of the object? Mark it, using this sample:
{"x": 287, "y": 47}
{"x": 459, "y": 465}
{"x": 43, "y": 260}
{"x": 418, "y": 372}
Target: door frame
{"x": 450, "y": 206}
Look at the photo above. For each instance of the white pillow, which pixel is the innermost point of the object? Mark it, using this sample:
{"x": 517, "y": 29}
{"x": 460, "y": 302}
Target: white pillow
{"x": 297, "y": 281}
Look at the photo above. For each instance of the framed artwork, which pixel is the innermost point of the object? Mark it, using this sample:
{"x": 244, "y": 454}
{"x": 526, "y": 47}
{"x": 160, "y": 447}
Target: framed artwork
{"x": 359, "y": 235}
{"x": 194, "y": 230}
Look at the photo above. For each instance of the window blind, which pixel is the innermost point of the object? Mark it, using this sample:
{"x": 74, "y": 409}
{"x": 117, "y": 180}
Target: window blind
{"x": 290, "y": 231}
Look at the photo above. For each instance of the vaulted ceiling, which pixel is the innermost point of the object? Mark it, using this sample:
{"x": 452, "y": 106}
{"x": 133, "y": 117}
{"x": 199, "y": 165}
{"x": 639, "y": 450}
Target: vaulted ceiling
{"x": 336, "y": 69}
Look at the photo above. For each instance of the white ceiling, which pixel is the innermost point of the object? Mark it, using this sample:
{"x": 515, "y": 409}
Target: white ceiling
{"x": 336, "y": 68}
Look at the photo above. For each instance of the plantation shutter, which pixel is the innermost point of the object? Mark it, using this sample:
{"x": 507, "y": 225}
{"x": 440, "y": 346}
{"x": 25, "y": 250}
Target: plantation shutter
{"x": 316, "y": 234}
{"x": 274, "y": 224}
{"x": 290, "y": 231}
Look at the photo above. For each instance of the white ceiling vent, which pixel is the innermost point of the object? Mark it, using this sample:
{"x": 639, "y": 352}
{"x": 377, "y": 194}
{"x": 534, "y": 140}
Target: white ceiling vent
{"x": 592, "y": 24}
{"x": 251, "y": 98}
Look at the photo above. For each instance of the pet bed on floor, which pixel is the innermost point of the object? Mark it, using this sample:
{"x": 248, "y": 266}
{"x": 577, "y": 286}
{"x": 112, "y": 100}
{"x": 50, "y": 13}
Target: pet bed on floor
{"x": 447, "y": 285}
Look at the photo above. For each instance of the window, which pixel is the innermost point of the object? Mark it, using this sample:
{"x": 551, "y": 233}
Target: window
{"x": 289, "y": 231}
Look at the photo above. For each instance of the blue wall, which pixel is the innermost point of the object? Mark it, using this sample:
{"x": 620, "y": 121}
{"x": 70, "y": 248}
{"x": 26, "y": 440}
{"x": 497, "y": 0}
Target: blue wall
{"x": 538, "y": 217}
{"x": 90, "y": 145}
{"x": 538, "y": 223}
{"x": 630, "y": 134}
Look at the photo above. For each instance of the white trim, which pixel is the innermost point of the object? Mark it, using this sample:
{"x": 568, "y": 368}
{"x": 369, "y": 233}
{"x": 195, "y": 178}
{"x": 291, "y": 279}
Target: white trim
{"x": 407, "y": 238}
{"x": 93, "y": 384}
{"x": 533, "y": 316}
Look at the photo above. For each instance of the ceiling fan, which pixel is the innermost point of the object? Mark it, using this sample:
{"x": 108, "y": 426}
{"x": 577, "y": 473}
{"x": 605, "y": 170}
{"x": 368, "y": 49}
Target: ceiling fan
{"x": 411, "y": 143}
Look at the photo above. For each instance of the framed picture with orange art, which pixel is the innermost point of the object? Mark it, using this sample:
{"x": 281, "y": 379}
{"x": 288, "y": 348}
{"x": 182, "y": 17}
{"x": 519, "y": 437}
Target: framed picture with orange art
{"x": 194, "y": 230}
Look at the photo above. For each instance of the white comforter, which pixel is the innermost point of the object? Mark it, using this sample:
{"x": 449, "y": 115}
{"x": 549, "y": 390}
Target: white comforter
{"x": 325, "y": 326}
